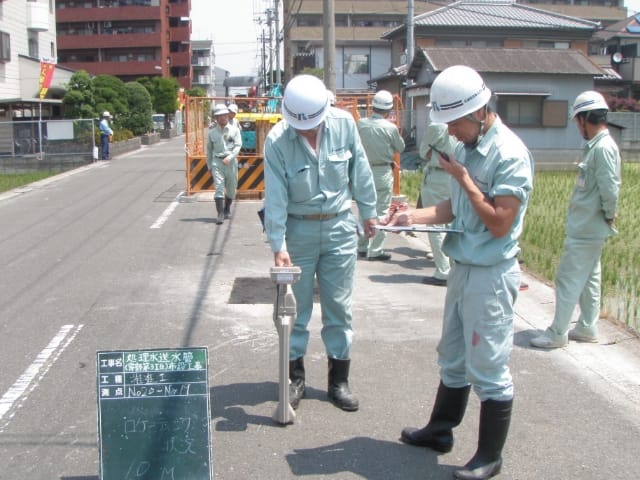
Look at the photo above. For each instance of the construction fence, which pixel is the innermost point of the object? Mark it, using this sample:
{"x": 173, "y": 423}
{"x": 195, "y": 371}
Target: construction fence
{"x": 256, "y": 117}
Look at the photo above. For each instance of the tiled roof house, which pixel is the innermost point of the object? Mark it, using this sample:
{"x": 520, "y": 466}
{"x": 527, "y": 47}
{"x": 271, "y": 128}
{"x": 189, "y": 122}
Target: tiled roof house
{"x": 534, "y": 61}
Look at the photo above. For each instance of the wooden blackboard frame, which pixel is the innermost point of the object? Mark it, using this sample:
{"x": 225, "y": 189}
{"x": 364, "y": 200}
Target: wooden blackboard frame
{"x": 154, "y": 414}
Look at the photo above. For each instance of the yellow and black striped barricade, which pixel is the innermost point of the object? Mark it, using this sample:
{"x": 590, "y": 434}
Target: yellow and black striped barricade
{"x": 199, "y": 177}
{"x": 250, "y": 177}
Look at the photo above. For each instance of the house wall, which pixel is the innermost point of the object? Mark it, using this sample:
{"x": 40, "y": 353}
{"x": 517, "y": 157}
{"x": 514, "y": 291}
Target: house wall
{"x": 379, "y": 61}
{"x": 12, "y": 21}
{"x": 550, "y": 144}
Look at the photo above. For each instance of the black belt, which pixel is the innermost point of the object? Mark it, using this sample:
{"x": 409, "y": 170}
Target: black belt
{"x": 317, "y": 216}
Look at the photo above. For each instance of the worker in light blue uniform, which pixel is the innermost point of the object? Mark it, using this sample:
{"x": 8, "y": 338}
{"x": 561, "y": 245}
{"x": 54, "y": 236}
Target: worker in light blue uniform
{"x": 315, "y": 166}
{"x": 493, "y": 179}
{"x": 436, "y": 187}
{"x": 224, "y": 142}
{"x": 590, "y": 221}
{"x": 106, "y": 133}
{"x": 381, "y": 140}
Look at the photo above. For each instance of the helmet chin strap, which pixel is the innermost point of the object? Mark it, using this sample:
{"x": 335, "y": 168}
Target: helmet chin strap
{"x": 480, "y": 124}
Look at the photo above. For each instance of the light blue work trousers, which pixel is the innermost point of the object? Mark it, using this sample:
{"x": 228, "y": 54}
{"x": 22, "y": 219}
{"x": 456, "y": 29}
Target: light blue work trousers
{"x": 477, "y": 331}
{"x": 436, "y": 187}
{"x": 225, "y": 179}
{"x": 383, "y": 180}
{"x": 326, "y": 251}
{"x": 578, "y": 281}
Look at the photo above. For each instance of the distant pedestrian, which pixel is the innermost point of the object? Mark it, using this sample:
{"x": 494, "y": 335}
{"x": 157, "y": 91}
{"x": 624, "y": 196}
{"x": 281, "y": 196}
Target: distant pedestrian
{"x": 493, "y": 178}
{"x": 223, "y": 145}
{"x": 106, "y": 134}
{"x": 315, "y": 167}
{"x": 233, "y": 111}
{"x": 381, "y": 139}
{"x": 590, "y": 220}
{"x": 436, "y": 187}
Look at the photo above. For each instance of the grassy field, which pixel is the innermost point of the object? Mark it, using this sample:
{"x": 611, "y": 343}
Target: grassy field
{"x": 14, "y": 180}
{"x": 543, "y": 238}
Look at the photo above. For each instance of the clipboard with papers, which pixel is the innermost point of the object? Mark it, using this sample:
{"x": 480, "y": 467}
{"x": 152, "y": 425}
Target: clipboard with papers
{"x": 418, "y": 228}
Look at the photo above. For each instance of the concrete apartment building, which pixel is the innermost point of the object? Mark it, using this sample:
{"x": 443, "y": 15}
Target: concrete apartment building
{"x": 126, "y": 38}
{"x": 202, "y": 65}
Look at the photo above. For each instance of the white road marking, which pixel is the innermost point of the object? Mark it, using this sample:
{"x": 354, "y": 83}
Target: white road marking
{"x": 29, "y": 380}
{"x": 167, "y": 212}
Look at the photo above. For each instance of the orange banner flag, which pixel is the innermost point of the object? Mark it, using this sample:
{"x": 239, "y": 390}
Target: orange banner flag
{"x": 46, "y": 74}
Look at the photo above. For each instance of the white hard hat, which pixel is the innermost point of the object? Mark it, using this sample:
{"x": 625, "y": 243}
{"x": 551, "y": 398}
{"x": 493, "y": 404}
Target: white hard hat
{"x": 589, "y": 100}
{"x": 220, "y": 109}
{"x": 233, "y": 108}
{"x": 457, "y": 92}
{"x": 305, "y": 102}
{"x": 383, "y": 100}
{"x": 106, "y": 114}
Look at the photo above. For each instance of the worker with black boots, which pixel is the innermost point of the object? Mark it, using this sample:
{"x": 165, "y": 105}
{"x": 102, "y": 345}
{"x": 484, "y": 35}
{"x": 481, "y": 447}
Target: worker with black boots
{"x": 224, "y": 142}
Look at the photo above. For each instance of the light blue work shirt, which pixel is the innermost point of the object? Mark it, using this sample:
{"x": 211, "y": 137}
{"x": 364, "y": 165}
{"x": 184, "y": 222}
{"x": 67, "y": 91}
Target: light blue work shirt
{"x": 381, "y": 139}
{"x": 105, "y": 129}
{"x": 299, "y": 182}
{"x": 436, "y": 134}
{"x": 221, "y": 143}
{"x": 500, "y": 165}
{"x": 595, "y": 195}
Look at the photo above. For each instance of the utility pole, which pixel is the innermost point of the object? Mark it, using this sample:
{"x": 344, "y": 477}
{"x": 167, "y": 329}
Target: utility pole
{"x": 286, "y": 36}
{"x": 269, "y": 13}
{"x": 278, "y": 73}
{"x": 408, "y": 100}
{"x": 329, "y": 45}
{"x": 264, "y": 65}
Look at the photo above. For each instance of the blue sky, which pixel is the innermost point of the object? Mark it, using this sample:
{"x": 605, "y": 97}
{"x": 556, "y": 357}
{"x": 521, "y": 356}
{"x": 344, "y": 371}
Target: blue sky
{"x": 233, "y": 29}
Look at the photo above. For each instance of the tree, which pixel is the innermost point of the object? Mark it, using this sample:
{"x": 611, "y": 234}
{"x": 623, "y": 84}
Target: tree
{"x": 79, "y": 101}
{"x": 166, "y": 95}
{"x": 138, "y": 117}
{"x": 110, "y": 94}
{"x": 166, "y": 98}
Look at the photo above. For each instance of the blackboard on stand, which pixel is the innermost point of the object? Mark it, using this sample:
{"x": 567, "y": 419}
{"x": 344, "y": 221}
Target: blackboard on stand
{"x": 153, "y": 414}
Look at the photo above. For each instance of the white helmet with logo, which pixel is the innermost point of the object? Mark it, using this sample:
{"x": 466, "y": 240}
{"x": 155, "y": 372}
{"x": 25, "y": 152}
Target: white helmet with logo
{"x": 220, "y": 109}
{"x": 457, "y": 92}
{"x": 305, "y": 102}
{"x": 383, "y": 100}
{"x": 587, "y": 101}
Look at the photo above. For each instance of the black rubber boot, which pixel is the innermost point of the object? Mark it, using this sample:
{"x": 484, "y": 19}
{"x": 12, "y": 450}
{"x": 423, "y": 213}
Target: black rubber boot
{"x": 339, "y": 391}
{"x": 220, "y": 210}
{"x": 227, "y": 207}
{"x": 448, "y": 411}
{"x": 297, "y": 377}
{"x": 495, "y": 417}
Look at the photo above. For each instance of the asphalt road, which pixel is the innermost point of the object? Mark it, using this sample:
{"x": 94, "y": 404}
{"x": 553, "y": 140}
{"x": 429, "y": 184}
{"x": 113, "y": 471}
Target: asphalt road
{"x": 108, "y": 257}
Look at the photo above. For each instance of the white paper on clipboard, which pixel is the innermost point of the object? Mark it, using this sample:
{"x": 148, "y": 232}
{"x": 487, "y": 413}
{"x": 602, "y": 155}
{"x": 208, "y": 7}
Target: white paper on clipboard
{"x": 418, "y": 228}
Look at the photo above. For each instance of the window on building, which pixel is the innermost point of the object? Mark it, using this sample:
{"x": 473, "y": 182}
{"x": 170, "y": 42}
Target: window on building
{"x": 356, "y": 63}
{"x": 487, "y": 43}
{"x": 557, "y": 45}
{"x": 521, "y": 110}
{"x": 5, "y": 47}
{"x": 309, "y": 20}
{"x": 34, "y": 50}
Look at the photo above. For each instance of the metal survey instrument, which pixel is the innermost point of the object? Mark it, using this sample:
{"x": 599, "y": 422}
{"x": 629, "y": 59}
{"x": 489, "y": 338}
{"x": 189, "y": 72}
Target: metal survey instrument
{"x": 284, "y": 314}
